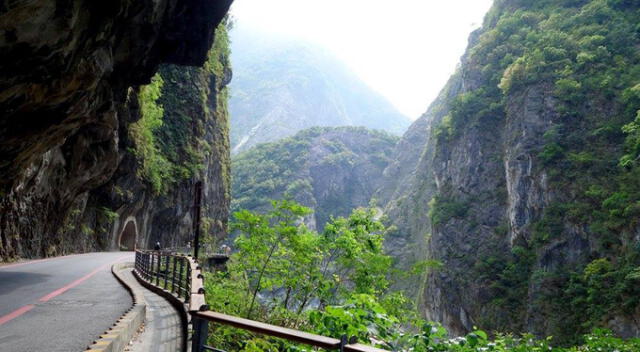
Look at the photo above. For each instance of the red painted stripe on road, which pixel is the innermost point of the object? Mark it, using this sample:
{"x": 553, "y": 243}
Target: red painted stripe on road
{"x": 78, "y": 282}
{"x": 71, "y": 285}
{"x": 16, "y": 313}
{"x": 20, "y": 311}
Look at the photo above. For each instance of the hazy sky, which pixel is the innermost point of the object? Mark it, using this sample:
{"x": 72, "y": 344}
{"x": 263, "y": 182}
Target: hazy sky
{"x": 404, "y": 49}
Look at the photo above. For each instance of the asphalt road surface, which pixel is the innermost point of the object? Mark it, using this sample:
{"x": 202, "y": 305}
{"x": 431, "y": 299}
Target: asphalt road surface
{"x": 60, "y": 304}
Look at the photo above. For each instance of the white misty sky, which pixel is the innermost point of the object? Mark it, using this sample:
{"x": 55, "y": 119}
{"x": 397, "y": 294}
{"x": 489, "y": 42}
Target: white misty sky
{"x": 404, "y": 49}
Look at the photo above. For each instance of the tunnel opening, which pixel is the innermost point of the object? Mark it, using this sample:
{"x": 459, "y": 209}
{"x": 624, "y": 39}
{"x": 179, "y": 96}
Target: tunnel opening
{"x": 128, "y": 237}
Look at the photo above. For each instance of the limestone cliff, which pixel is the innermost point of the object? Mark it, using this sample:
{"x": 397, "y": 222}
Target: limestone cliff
{"x": 69, "y": 78}
{"x": 165, "y": 155}
{"x": 521, "y": 179}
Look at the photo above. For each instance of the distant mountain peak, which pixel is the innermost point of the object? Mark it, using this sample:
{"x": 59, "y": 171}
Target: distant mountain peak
{"x": 284, "y": 86}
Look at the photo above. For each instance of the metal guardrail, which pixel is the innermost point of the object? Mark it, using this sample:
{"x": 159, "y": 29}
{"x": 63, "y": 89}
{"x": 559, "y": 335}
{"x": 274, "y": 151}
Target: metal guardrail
{"x": 166, "y": 270}
{"x": 297, "y": 336}
{"x": 156, "y": 268}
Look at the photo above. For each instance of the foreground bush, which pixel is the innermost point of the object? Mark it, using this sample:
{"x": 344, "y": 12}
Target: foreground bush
{"x": 336, "y": 283}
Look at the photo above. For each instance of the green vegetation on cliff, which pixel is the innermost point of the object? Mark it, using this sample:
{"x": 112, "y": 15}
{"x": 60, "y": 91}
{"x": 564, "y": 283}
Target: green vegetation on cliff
{"x": 155, "y": 167}
{"x": 332, "y": 170}
{"x": 584, "y": 55}
{"x": 171, "y": 135}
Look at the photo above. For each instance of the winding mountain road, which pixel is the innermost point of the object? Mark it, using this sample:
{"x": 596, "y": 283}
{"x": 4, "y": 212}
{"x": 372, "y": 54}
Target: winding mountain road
{"x": 60, "y": 304}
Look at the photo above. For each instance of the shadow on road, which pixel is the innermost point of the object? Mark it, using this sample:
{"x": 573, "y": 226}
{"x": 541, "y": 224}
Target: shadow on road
{"x": 18, "y": 279}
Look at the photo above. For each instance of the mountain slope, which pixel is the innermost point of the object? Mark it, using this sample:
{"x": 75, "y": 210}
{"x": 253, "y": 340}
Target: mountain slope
{"x": 331, "y": 170}
{"x": 281, "y": 87}
{"x": 522, "y": 178}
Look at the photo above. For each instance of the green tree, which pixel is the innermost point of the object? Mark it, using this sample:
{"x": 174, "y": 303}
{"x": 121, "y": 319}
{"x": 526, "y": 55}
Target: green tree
{"x": 276, "y": 251}
{"x": 269, "y": 245}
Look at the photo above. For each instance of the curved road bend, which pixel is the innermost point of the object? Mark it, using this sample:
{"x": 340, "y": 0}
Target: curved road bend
{"x": 60, "y": 304}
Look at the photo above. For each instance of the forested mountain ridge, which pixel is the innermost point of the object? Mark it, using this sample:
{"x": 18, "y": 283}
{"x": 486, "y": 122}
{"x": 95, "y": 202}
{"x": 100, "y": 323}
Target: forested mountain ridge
{"x": 331, "y": 170}
{"x": 283, "y": 86}
{"x": 526, "y": 187}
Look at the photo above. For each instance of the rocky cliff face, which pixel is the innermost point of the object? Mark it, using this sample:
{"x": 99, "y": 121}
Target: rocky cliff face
{"x": 330, "y": 170}
{"x": 408, "y": 186}
{"x": 155, "y": 190}
{"x": 69, "y": 73}
{"x": 518, "y": 178}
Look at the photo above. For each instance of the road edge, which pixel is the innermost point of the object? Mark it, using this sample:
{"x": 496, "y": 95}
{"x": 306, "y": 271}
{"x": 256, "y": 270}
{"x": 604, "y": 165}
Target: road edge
{"x": 118, "y": 336}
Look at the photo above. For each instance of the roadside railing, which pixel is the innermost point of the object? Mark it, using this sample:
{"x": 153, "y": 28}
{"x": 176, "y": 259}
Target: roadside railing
{"x": 165, "y": 270}
{"x": 205, "y": 251}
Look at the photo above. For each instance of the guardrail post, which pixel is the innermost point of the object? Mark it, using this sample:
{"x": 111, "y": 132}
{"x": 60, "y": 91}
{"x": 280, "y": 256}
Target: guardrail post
{"x": 343, "y": 342}
{"x": 199, "y": 337}
{"x": 145, "y": 265}
{"x": 150, "y": 268}
{"x": 187, "y": 297}
{"x": 150, "y": 271}
{"x": 166, "y": 271}
{"x": 159, "y": 256}
{"x": 180, "y": 278}
{"x": 173, "y": 276}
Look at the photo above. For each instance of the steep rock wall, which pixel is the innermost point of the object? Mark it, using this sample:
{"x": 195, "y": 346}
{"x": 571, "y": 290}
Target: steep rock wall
{"x": 66, "y": 69}
{"x": 520, "y": 176}
{"x": 194, "y": 138}
{"x": 408, "y": 186}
